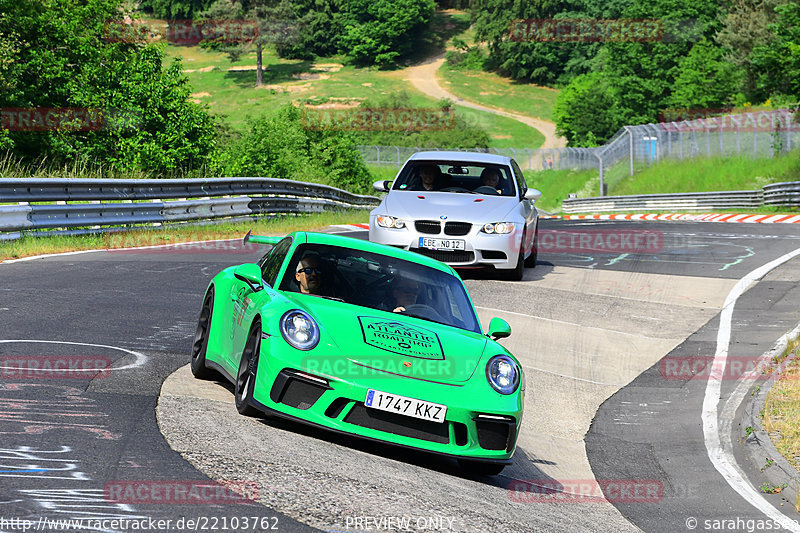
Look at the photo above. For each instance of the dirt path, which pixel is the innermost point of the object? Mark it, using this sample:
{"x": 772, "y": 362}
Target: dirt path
{"x": 423, "y": 77}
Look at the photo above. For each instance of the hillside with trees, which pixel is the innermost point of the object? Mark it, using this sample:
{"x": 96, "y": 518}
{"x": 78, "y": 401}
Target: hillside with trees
{"x": 709, "y": 55}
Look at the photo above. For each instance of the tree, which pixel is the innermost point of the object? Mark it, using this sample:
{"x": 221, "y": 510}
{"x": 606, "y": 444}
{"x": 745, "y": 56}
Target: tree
{"x": 776, "y": 65}
{"x": 61, "y": 57}
{"x": 275, "y": 20}
{"x": 380, "y": 32}
{"x": 277, "y": 145}
{"x": 745, "y": 28}
{"x": 643, "y": 73}
{"x": 540, "y": 61}
{"x": 174, "y": 9}
{"x": 704, "y": 79}
{"x": 586, "y": 111}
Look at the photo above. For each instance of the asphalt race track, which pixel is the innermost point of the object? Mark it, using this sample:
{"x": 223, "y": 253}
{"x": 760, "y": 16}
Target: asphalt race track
{"x": 594, "y": 329}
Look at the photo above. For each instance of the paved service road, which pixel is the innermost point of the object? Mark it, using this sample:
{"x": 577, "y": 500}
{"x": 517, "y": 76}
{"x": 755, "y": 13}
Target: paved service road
{"x": 585, "y": 324}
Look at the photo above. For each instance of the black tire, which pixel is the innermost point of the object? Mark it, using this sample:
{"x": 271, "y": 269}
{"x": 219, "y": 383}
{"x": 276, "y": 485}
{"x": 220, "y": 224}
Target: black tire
{"x": 530, "y": 262}
{"x": 246, "y": 376}
{"x": 200, "y": 344}
{"x": 516, "y": 273}
{"x": 480, "y": 468}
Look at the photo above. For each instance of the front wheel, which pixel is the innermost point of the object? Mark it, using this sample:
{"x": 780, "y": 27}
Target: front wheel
{"x": 246, "y": 376}
{"x": 516, "y": 273}
{"x": 530, "y": 262}
{"x": 480, "y": 468}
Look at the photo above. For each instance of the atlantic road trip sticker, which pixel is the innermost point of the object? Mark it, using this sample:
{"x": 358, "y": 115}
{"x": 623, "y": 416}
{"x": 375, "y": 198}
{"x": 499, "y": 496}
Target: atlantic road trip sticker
{"x": 401, "y": 338}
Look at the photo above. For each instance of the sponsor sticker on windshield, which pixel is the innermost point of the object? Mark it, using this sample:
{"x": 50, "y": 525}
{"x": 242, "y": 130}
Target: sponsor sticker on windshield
{"x": 401, "y": 338}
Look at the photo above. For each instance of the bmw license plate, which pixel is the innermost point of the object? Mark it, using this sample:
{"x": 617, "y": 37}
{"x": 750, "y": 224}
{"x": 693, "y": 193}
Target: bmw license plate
{"x": 441, "y": 244}
{"x": 405, "y": 406}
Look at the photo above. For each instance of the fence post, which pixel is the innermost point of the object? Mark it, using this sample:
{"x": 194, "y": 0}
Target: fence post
{"x": 602, "y": 182}
{"x": 378, "y": 150}
{"x": 630, "y": 147}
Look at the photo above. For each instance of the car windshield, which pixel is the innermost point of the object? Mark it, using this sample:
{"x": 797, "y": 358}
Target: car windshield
{"x": 380, "y": 282}
{"x": 458, "y": 177}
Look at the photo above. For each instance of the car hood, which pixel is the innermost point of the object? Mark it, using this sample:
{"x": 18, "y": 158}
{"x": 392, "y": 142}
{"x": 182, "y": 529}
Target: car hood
{"x": 475, "y": 208}
{"x": 379, "y": 343}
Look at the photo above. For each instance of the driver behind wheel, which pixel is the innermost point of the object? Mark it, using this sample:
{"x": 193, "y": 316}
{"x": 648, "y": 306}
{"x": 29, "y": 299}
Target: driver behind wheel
{"x": 405, "y": 293}
{"x": 490, "y": 177}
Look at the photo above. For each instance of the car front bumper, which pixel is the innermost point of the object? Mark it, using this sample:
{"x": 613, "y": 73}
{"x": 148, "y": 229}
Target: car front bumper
{"x": 480, "y": 423}
{"x": 480, "y": 249}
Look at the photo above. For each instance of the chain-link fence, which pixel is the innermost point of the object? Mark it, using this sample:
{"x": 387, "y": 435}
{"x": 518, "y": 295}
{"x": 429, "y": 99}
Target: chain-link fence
{"x": 756, "y": 134}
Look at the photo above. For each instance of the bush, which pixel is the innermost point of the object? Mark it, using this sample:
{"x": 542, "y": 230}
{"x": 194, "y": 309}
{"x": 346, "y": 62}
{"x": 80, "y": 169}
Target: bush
{"x": 277, "y": 146}
{"x": 61, "y": 57}
{"x": 470, "y": 58}
{"x": 462, "y": 134}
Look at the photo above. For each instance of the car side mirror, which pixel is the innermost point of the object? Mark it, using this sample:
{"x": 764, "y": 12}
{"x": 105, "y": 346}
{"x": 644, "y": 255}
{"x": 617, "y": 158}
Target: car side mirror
{"x": 498, "y": 329}
{"x": 533, "y": 194}
{"x": 382, "y": 186}
{"x": 250, "y": 273}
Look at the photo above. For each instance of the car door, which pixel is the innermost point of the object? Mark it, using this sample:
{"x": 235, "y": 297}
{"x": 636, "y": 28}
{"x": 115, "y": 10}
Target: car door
{"x": 526, "y": 206}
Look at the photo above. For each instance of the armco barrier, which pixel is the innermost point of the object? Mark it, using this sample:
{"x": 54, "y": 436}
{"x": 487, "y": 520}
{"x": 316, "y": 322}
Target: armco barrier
{"x": 135, "y": 202}
{"x": 52, "y": 190}
{"x": 776, "y": 194}
{"x": 786, "y": 193}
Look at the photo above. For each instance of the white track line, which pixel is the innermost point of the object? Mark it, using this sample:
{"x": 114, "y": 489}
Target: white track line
{"x": 140, "y": 358}
{"x": 721, "y": 457}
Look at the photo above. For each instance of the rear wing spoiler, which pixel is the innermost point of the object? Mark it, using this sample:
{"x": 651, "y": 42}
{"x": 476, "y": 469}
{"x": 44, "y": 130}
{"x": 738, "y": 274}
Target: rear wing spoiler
{"x": 260, "y": 239}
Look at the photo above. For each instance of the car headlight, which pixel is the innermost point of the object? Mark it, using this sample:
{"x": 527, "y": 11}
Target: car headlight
{"x": 498, "y": 227}
{"x": 503, "y": 374}
{"x": 386, "y": 221}
{"x": 299, "y": 329}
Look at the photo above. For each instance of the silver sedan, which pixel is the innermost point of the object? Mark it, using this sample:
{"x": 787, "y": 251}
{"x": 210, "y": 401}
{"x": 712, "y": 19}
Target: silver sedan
{"x": 466, "y": 209}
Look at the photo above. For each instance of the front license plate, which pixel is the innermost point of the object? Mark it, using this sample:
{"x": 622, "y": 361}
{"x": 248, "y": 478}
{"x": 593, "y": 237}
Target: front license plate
{"x": 405, "y": 406}
{"x": 441, "y": 244}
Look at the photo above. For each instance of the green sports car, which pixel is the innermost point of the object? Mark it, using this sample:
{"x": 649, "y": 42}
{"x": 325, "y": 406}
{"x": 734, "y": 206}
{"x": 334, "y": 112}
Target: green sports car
{"x": 364, "y": 339}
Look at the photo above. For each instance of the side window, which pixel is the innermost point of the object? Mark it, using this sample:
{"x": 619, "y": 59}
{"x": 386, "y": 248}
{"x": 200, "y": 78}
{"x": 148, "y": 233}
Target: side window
{"x": 523, "y": 187}
{"x": 271, "y": 263}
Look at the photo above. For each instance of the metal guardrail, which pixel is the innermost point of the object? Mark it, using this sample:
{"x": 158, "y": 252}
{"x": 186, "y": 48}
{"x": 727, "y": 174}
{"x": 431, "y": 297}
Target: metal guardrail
{"x": 136, "y": 202}
{"x": 786, "y": 193}
{"x": 776, "y": 194}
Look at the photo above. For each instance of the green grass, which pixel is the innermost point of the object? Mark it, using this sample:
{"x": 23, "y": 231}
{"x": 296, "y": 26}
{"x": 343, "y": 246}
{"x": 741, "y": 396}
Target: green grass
{"x": 495, "y": 91}
{"x": 558, "y": 184}
{"x": 710, "y": 174}
{"x": 30, "y": 245}
{"x": 503, "y": 132}
{"x": 233, "y": 95}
